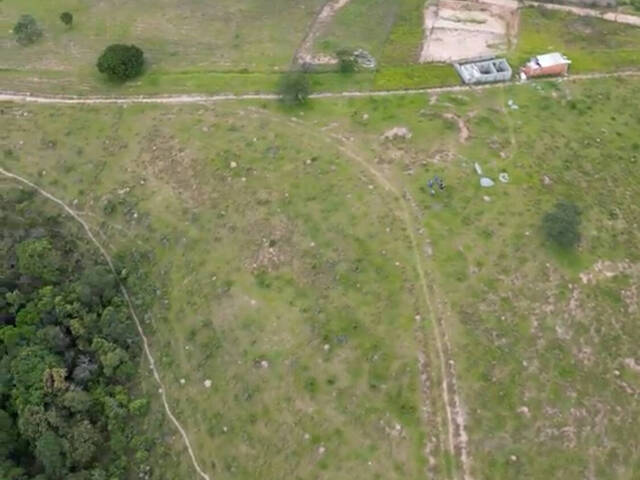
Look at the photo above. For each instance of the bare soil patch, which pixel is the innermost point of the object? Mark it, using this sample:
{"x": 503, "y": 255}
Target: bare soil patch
{"x": 457, "y": 30}
{"x": 305, "y": 52}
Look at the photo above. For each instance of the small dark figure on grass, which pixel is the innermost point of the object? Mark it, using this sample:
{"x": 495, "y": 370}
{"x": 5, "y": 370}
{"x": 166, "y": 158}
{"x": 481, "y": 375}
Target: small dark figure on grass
{"x": 561, "y": 225}
{"x": 121, "y": 62}
{"x": 66, "y": 18}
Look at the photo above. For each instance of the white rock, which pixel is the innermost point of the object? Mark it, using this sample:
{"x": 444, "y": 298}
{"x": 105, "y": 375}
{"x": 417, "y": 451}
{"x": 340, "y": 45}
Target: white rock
{"x": 208, "y": 383}
{"x": 486, "y": 182}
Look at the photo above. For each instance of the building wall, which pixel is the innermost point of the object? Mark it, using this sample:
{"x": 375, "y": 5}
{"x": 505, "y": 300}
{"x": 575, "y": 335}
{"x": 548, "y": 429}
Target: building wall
{"x": 553, "y": 70}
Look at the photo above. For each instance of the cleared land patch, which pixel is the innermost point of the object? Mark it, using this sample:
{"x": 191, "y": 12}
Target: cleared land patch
{"x": 459, "y": 30}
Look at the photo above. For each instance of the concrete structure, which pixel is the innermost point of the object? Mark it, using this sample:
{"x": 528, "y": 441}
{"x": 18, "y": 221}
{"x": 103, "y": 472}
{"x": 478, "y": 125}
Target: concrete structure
{"x": 549, "y": 64}
{"x": 484, "y": 71}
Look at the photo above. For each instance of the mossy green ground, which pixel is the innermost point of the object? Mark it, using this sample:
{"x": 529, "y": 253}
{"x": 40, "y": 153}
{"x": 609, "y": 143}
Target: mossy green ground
{"x": 544, "y": 360}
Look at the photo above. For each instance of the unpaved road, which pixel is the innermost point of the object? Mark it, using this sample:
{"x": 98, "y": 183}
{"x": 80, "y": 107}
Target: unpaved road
{"x": 589, "y": 12}
{"x": 21, "y": 97}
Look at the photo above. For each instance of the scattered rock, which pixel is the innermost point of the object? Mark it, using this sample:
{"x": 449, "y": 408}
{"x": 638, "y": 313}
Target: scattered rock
{"x": 233, "y": 164}
{"x": 182, "y": 381}
{"x": 264, "y": 364}
{"x": 546, "y": 180}
{"x": 513, "y": 458}
{"x": 503, "y": 177}
{"x": 486, "y": 198}
{"x": 208, "y": 383}
{"x": 478, "y": 168}
{"x": 326, "y": 347}
{"x": 486, "y": 182}
{"x": 365, "y": 117}
{"x": 397, "y": 133}
{"x": 524, "y": 411}
{"x": 632, "y": 364}
{"x": 321, "y": 450}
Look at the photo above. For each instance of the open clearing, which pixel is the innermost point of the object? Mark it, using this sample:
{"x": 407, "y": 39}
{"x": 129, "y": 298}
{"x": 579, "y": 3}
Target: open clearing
{"x": 458, "y": 30}
{"x": 177, "y": 36}
{"x": 351, "y": 325}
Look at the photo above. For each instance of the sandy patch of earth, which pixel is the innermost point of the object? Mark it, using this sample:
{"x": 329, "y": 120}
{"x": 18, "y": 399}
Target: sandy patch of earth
{"x": 458, "y": 30}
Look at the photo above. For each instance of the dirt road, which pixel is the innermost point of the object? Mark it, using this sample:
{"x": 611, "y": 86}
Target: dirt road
{"x": 21, "y": 97}
{"x": 589, "y": 12}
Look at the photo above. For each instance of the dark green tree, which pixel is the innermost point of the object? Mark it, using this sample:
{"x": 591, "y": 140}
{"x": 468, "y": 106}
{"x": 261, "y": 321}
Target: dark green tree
{"x": 49, "y": 451}
{"x": 37, "y": 258}
{"x": 82, "y": 442}
{"x": 346, "y": 61}
{"x": 27, "y": 30}
{"x": 121, "y": 62}
{"x": 294, "y": 88}
{"x": 66, "y": 18}
{"x": 561, "y": 225}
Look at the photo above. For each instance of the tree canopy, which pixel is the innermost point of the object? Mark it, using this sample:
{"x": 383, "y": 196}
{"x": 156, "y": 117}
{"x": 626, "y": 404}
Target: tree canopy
{"x": 295, "y": 88}
{"x": 68, "y": 349}
{"x": 562, "y": 224}
{"x": 27, "y": 30}
{"x": 121, "y": 62}
{"x": 66, "y": 18}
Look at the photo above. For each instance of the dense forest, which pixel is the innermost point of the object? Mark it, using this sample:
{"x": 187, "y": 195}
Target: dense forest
{"x": 69, "y": 353}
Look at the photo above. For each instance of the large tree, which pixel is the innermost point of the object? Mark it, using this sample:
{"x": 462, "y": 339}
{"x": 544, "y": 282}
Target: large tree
{"x": 121, "y": 62}
{"x": 27, "y": 30}
{"x": 562, "y": 224}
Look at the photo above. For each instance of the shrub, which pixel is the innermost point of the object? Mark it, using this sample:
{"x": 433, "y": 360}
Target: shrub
{"x": 294, "y": 88}
{"x": 66, "y": 18}
{"x": 346, "y": 61}
{"x": 562, "y": 224}
{"x": 121, "y": 62}
{"x": 27, "y": 30}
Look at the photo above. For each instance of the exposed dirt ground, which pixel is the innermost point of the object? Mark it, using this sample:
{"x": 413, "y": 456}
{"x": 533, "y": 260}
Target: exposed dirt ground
{"x": 457, "y": 30}
{"x": 305, "y": 52}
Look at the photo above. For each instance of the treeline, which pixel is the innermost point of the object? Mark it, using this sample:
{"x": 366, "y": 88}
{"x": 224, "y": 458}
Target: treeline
{"x": 68, "y": 355}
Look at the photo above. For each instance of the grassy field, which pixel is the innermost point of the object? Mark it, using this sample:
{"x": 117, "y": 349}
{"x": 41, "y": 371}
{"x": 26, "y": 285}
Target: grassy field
{"x": 190, "y": 35}
{"x": 544, "y": 339}
{"x": 284, "y": 273}
{"x": 390, "y": 30}
{"x": 592, "y": 44}
{"x": 280, "y": 273}
{"x": 218, "y": 56}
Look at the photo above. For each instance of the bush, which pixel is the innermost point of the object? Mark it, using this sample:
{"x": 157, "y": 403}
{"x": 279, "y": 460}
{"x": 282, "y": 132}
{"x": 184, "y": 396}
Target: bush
{"x": 66, "y": 18}
{"x": 562, "y": 225}
{"x": 27, "y": 30}
{"x": 121, "y": 62}
{"x": 346, "y": 61}
{"x": 294, "y": 88}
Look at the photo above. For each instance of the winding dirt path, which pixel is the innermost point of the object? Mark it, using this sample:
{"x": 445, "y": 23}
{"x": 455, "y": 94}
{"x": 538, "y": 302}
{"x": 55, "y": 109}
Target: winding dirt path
{"x": 589, "y": 12}
{"x": 132, "y": 311}
{"x": 457, "y": 438}
{"x": 22, "y": 97}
